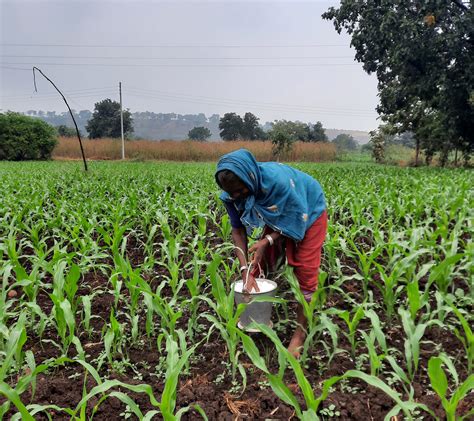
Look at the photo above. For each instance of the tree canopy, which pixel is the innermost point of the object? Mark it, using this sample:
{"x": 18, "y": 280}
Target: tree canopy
{"x": 298, "y": 131}
{"x": 199, "y": 133}
{"x": 234, "y": 127}
{"x": 345, "y": 142}
{"x": 105, "y": 121}
{"x": 422, "y": 53}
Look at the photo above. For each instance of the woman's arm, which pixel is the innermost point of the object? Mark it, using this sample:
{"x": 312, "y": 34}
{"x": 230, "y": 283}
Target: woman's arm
{"x": 258, "y": 249}
{"x": 239, "y": 237}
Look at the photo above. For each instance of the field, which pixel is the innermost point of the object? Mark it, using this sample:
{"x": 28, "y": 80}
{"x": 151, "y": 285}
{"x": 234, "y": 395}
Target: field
{"x": 116, "y": 299}
{"x": 169, "y": 150}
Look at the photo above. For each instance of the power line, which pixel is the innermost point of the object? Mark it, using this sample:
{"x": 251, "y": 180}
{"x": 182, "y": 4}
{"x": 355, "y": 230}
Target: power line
{"x": 52, "y": 96}
{"x": 173, "y": 58}
{"x": 72, "y": 92}
{"x": 172, "y": 45}
{"x": 188, "y": 65}
{"x": 15, "y": 68}
{"x": 266, "y": 108}
{"x": 243, "y": 102}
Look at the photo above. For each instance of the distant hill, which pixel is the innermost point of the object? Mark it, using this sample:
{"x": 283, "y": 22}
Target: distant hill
{"x": 359, "y": 135}
{"x": 171, "y": 126}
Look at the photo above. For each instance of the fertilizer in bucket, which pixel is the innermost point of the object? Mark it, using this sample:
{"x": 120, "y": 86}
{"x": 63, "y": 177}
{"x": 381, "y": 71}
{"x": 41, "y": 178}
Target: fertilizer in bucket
{"x": 259, "y": 312}
{"x": 263, "y": 284}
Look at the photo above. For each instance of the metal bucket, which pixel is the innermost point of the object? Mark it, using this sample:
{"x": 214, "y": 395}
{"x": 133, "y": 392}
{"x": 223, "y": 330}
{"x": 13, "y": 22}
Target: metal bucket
{"x": 260, "y": 312}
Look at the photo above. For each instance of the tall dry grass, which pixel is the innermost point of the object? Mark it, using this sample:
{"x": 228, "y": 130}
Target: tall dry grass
{"x": 169, "y": 150}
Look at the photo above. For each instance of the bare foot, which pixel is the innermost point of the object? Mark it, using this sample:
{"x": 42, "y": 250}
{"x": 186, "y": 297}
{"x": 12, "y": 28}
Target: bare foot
{"x": 296, "y": 343}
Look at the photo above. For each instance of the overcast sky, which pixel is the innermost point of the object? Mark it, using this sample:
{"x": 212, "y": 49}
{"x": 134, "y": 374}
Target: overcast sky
{"x": 279, "y": 60}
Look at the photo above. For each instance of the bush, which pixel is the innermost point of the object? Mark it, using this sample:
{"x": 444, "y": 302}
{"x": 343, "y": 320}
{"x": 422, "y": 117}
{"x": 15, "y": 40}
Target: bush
{"x": 25, "y": 138}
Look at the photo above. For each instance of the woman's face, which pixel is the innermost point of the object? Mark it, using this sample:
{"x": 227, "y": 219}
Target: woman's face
{"x": 237, "y": 190}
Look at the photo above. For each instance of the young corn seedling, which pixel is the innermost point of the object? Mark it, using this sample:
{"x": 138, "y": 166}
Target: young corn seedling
{"x": 467, "y": 339}
{"x": 227, "y": 315}
{"x": 276, "y": 381}
{"x": 309, "y": 308}
{"x": 416, "y": 299}
{"x": 366, "y": 262}
{"x": 389, "y": 289}
{"x": 165, "y": 408}
{"x": 352, "y": 323}
{"x": 12, "y": 349}
{"x": 312, "y": 402}
{"x": 113, "y": 340}
{"x": 327, "y": 325}
{"x": 439, "y": 383}
{"x": 374, "y": 357}
{"x": 170, "y": 260}
{"x": 13, "y": 395}
{"x": 167, "y": 310}
{"x": 64, "y": 320}
{"x": 414, "y": 333}
{"x": 194, "y": 285}
{"x": 443, "y": 272}
{"x": 31, "y": 288}
{"x": 375, "y": 335}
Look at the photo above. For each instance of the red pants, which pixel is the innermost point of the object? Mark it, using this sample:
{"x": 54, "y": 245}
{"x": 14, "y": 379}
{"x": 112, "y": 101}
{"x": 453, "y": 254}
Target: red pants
{"x": 304, "y": 256}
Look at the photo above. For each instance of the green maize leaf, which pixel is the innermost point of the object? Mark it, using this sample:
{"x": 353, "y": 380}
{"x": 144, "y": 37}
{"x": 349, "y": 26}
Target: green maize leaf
{"x": 251, "y": 350}
{"x": 168, "y": 398}
{"x": 13, "y": 396}
{"x": 283, "y": 392}
{"x": 309, "y": 415}
{"x": 438, "y": 379}
{"x": 397, "y": 369}
{"x": 377, "y": 328}
{"x": 129, "y": 402}
{"x": 439, "y": 270}
{"x": 450, "y": 365}
{"x": 36, "y": 409}
{"x": 466, "y": 387}
{"x": 109, "y": 384}
{"x": 406, "y": 406}
{"x": 303, "y": 382}
{"x": 150, "y": 415}
{"x": 16, "y": 340}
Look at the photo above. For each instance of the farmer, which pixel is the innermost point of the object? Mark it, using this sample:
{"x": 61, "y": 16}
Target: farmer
{"x": 291, "y": 208}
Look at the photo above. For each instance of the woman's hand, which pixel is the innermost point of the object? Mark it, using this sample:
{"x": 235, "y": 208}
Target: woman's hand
{"x": 249, "y": 282}
{"x": 258, "y": 249}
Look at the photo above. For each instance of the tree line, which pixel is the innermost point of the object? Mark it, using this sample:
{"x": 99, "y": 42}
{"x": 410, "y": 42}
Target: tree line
{"x": 422, "y": 53}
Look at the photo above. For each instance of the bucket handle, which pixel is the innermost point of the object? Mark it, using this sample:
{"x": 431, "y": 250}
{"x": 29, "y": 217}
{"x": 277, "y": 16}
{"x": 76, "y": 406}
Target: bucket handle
{"x": 249, "y": 266}
{"x": 248, "y": 273}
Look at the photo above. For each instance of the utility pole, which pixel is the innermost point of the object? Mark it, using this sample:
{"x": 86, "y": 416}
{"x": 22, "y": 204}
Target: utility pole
{"x": 121, "y": 120}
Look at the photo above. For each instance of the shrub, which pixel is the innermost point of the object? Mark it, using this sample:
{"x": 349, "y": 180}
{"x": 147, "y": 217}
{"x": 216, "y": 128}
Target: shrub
{"x": 25, "y": 138}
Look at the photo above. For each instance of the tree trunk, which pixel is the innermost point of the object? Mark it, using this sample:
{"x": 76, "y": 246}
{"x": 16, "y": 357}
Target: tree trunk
{"x": 456, "y": 157}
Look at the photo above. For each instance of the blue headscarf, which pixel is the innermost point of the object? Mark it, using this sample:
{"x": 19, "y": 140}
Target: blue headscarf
{"x": 285, "y": 199}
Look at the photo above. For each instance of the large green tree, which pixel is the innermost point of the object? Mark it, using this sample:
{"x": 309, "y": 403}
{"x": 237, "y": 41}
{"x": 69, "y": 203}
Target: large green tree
{"x": 230, "y": 126}
{"x": 422, "y": 53}
{"x": 250, "y": 127}
{"x": 318, "y": 133}
{"x": 105, "y": 121}
{"x": 234, "y": 127}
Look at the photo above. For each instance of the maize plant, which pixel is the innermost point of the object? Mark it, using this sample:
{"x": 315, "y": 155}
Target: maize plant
{"x": 129, "y": 269}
